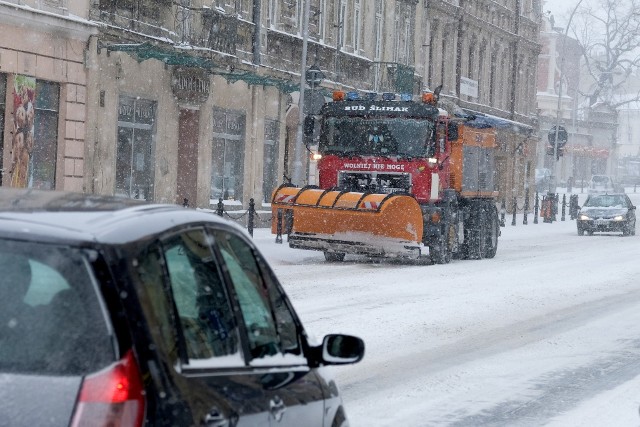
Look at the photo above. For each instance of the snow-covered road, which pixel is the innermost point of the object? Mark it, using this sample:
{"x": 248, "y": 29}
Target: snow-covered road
{"x": 546, "y": 333}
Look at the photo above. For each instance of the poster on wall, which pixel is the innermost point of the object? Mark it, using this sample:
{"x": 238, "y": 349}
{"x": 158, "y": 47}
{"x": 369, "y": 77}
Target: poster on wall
{"x": 24, "y": 98}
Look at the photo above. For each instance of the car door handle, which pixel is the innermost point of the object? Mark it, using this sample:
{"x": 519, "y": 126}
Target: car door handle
{"x": 215, "y": 418}
{"x": 277, "y": 408}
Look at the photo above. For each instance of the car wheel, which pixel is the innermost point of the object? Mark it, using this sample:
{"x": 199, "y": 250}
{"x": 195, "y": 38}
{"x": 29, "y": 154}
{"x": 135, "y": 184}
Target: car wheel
{"x": 590, "y": 232}
{"x": 334, "y": 256}
{"x": 580, "y": 232}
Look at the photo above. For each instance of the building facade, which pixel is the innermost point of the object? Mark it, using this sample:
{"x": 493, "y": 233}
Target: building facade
{"x": 592, "y": 129}
{"x": 484, "y": 54}
{"x": 196, "y": 101}
{"x": 43, "y": 93}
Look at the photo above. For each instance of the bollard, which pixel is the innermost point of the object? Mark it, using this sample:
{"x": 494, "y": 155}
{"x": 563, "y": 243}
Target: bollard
{"x": 288, "y": 219}
{"x": 185, "y": 203}
{"x": 573, "y": 206}
{"x": 515, "y": 208}
{"x": 547, "y": 208}
{"x": 554, "y": 207}
{"x": 220, "y": 210}
{"x": 503, "y": 209}
{"x": 526, "y": 206}
{"x": 279, "y": 227}
{"x": 535, "y": 209}
{"x": 250, "y": 213}
{"x": 564, "y": 203}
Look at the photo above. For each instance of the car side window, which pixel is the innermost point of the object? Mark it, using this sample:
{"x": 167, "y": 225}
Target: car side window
{"x": 285, "y": 321}
{"x": 251, "y": 293}
{"x": 155, "y": 300}
{"x": 201, "y": 300}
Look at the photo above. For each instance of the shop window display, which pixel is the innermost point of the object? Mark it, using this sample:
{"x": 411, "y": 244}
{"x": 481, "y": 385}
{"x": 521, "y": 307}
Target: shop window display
{"x": 135, "y": 149}
{"x": 3, "y": 99}
{"x": 227, "y": 169}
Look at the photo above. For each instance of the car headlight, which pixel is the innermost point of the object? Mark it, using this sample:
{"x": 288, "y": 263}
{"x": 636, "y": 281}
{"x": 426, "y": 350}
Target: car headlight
{"x": 618, "y": 218}
{"x": 584, "y": 217}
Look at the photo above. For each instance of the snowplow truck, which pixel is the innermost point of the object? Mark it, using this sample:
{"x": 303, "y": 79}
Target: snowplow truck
{"x": 397, "y": 178}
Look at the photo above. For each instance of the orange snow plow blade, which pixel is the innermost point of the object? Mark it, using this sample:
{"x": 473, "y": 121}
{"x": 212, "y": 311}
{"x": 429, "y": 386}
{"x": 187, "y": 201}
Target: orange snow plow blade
{"x": 348, "y": 222}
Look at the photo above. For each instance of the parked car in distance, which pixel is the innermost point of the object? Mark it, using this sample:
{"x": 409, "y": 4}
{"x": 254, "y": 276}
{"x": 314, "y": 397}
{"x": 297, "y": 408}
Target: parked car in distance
{"x": 121, "y": 313}
{"x": 607, "y": 213}
{"x": 603, "y": 184}
{"x": 543, "y": 180}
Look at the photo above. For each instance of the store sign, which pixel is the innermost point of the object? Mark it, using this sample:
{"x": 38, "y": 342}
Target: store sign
{"x": 191, "y": 84}
{"x": 227, "y": 122}
{"x": 468, "y": 87}
{"x": 134, "y": 110}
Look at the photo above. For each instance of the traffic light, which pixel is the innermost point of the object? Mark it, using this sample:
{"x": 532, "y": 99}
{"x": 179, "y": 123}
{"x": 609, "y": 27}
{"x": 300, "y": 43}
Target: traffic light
{"x": 309, "y": 124}
{"x": 563, "y": 137}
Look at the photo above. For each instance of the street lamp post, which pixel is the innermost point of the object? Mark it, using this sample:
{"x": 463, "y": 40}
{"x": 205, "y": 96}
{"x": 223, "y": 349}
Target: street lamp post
{"x": 312, "y": 106}
{"x": 554, "y": 179}
{"x": 298, "y": 174}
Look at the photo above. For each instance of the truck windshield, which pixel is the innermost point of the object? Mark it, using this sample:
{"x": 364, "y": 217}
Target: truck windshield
{"x": 403, "y": 137}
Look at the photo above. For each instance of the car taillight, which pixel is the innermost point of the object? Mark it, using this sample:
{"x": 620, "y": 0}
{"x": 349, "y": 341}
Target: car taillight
{"x": 113, "y": 397}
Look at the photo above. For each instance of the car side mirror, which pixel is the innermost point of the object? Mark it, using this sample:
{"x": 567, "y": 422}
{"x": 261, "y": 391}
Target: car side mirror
{"x": 452, "y": 132}
{"x": 340, "y": 349}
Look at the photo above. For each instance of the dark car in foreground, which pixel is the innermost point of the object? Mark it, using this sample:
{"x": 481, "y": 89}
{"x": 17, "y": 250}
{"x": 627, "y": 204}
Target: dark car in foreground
{"x": 607, "y": 213}
{"x": 120, "y": 313}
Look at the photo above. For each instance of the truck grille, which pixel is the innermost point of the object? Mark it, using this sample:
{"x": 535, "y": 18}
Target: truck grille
{"x": 374, "y": 182}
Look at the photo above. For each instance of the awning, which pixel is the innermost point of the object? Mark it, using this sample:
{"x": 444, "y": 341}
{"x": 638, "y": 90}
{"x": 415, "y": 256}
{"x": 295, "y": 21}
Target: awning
{"x": 481, "y": 120}
{"x": 586, "y": 151}
{"x": 144, "y": 51}
{"x": 180, "y": 57}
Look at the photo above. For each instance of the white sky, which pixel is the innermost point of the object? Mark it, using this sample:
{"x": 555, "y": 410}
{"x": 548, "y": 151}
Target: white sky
{"x": 546, "y": 333}
{"x": 560, "y": 9}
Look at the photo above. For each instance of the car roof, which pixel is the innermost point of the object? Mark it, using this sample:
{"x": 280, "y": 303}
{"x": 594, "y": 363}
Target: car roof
{"x": 76, "y": 217}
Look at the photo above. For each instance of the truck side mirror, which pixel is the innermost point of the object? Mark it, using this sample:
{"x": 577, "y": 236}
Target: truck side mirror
{"x": 452, "y": 132}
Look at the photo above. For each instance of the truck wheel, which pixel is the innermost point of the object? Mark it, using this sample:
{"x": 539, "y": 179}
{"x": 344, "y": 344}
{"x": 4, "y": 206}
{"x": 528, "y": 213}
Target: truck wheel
{"x": 440, "y": 253}
{"x": 477, "y": 235}
{"x": 334, "y": 256}
{"x": 493, "y": 231}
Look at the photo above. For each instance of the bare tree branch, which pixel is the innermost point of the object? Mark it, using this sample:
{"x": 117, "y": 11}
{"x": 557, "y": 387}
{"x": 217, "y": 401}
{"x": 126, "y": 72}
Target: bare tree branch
{"x": 608, "y": 32}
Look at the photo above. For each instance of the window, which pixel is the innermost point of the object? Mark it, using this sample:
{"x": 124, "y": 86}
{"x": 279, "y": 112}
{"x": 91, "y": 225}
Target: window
{"x": 273, "y": 14}
{"x": 135, "y": 150}
{"x": 154, "y": 297}
{"x": 3, "y": 98}
{"x": 342, "y": 23}
{"x": 252, "y": 295}
{"x": 285, "y": 322}
{"x": 50, "y": 317}
{"x": 184, "y": 20}
{"x": 396, "y": 40}
{"x": 378, "y": 31}
{"x": 200, "y": 298}
{"x": 407, "y": 41}
{"x": 42, "y": 170}
{"x": 356, "y": 26}
{"x": 227, "y": 158}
